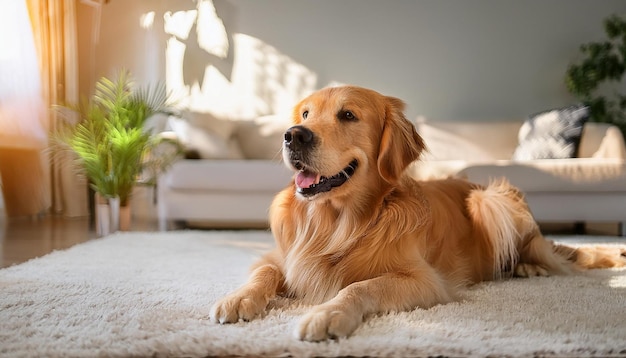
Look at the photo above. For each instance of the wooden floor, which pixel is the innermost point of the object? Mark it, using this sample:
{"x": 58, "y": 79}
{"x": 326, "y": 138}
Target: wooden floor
{"x": 27, "y": 238}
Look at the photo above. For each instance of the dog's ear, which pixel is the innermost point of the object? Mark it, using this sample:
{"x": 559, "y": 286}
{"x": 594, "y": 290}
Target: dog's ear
{"x": 400, "y": 144}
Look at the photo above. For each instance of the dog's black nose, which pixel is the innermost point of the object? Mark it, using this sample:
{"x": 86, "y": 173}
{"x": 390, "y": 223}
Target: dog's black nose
{"x": 298, "y": 137}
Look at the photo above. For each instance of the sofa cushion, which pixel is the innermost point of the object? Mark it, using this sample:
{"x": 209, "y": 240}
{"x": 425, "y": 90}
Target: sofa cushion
{"x": 553, "y": 134}
{"x": 554, "y": 175}
{"x": 262, "y": 138}
{"x": 227, "y": 175}
{"x": 435, "y": 169}
{"x": 208, "y": 136}
{"x": 465, "y": 140}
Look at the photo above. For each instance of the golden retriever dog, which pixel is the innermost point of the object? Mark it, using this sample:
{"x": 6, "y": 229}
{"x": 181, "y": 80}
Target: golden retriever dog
{"x": 356, "y": 235}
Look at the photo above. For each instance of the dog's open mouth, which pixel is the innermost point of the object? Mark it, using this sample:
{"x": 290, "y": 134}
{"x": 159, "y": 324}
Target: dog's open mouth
{"x": 310, "y": 183}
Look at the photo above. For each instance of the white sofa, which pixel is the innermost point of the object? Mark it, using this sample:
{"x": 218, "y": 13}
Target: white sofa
{"x": 240, "y": 170}
{"x": 588, "y": 188}
{"x": 235, "y": 178}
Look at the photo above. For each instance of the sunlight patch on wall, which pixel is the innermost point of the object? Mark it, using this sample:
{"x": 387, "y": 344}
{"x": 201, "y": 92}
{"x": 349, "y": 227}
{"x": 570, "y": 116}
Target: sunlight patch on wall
{"x": 215, "y": 95}
{"x": 210, "y": 31}
{"x": 210, "y": 94}
{"x": 179, "y": 24}
{"x": 212, "y": 35}
{"x": 269, "y": 81}
{"x": 262, "y": 81}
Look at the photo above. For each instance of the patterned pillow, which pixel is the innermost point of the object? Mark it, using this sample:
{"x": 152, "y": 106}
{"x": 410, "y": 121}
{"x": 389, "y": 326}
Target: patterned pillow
{"x": 553, "y": 134}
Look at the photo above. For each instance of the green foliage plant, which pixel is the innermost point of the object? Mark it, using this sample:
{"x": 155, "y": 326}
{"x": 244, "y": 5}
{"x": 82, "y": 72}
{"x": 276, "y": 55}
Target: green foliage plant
{"x": 110, "y": 134}
{"x": 597, "y": 79}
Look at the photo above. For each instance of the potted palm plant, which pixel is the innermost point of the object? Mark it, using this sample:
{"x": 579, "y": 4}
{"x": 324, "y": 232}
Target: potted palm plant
{"x": 112, "y": 141}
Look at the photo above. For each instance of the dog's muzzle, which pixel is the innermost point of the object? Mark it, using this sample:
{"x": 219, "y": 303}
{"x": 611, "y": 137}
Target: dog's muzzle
{"x": 299, "y": 142}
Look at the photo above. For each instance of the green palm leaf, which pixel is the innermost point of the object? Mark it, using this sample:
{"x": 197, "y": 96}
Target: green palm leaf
{"x": 110, "y": 138}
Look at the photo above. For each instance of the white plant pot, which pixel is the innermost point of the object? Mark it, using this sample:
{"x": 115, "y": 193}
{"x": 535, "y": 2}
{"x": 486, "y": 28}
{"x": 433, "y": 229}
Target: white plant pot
{"x": 114, "y": 208}
{"x": 103, "y": 216}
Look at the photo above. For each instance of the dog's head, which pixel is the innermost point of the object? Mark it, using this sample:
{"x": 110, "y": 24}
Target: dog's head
{"x": 345, "y": 138}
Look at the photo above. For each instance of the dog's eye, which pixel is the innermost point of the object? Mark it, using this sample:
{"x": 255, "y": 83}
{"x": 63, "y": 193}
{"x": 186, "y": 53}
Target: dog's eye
{"x": 305, "y": 114}
{"x": 346, "y": 116}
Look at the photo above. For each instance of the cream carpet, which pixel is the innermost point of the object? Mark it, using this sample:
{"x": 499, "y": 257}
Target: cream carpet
{"x": 149, "y": 294}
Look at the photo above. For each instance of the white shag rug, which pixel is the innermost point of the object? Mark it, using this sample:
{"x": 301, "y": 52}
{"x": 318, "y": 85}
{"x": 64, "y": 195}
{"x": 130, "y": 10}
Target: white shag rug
{"x": 149, "y": 294}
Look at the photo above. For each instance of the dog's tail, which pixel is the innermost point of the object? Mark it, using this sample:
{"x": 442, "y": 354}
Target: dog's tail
{"x": 513, "y": 236}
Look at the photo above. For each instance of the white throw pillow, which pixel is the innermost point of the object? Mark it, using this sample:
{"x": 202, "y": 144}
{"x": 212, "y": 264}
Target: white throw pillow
{"x": 211, "y": 137}
{"x": 443, "y": 144}
{"x": 553, "y": 134}
{"x": 262, "y": 138}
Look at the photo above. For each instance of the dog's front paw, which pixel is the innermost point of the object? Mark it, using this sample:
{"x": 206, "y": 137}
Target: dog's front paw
{"x": 530, "y": 270}
{"x": 325, "y": 322}
{"x": 237, "y": 306}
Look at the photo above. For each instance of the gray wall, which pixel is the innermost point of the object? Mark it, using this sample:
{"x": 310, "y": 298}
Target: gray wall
{"x": 449, "y": 60}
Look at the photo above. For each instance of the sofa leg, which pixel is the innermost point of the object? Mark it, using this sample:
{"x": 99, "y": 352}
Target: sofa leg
{"x": 622, "y": 228}
{"x": 580, "y": 228}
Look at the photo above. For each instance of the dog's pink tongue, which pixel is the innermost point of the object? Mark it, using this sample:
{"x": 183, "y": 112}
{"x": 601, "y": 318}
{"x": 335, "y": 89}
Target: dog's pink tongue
{"x": 306, "y": 179}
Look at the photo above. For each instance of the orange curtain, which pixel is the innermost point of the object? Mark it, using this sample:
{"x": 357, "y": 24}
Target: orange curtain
{"x": 54, "y": 29}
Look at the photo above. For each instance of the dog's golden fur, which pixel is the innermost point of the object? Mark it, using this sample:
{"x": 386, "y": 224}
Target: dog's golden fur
{"x": 381, "y": 241}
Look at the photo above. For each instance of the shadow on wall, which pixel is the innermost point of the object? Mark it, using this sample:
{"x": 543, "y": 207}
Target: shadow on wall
{"x": 231, "y": 75}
